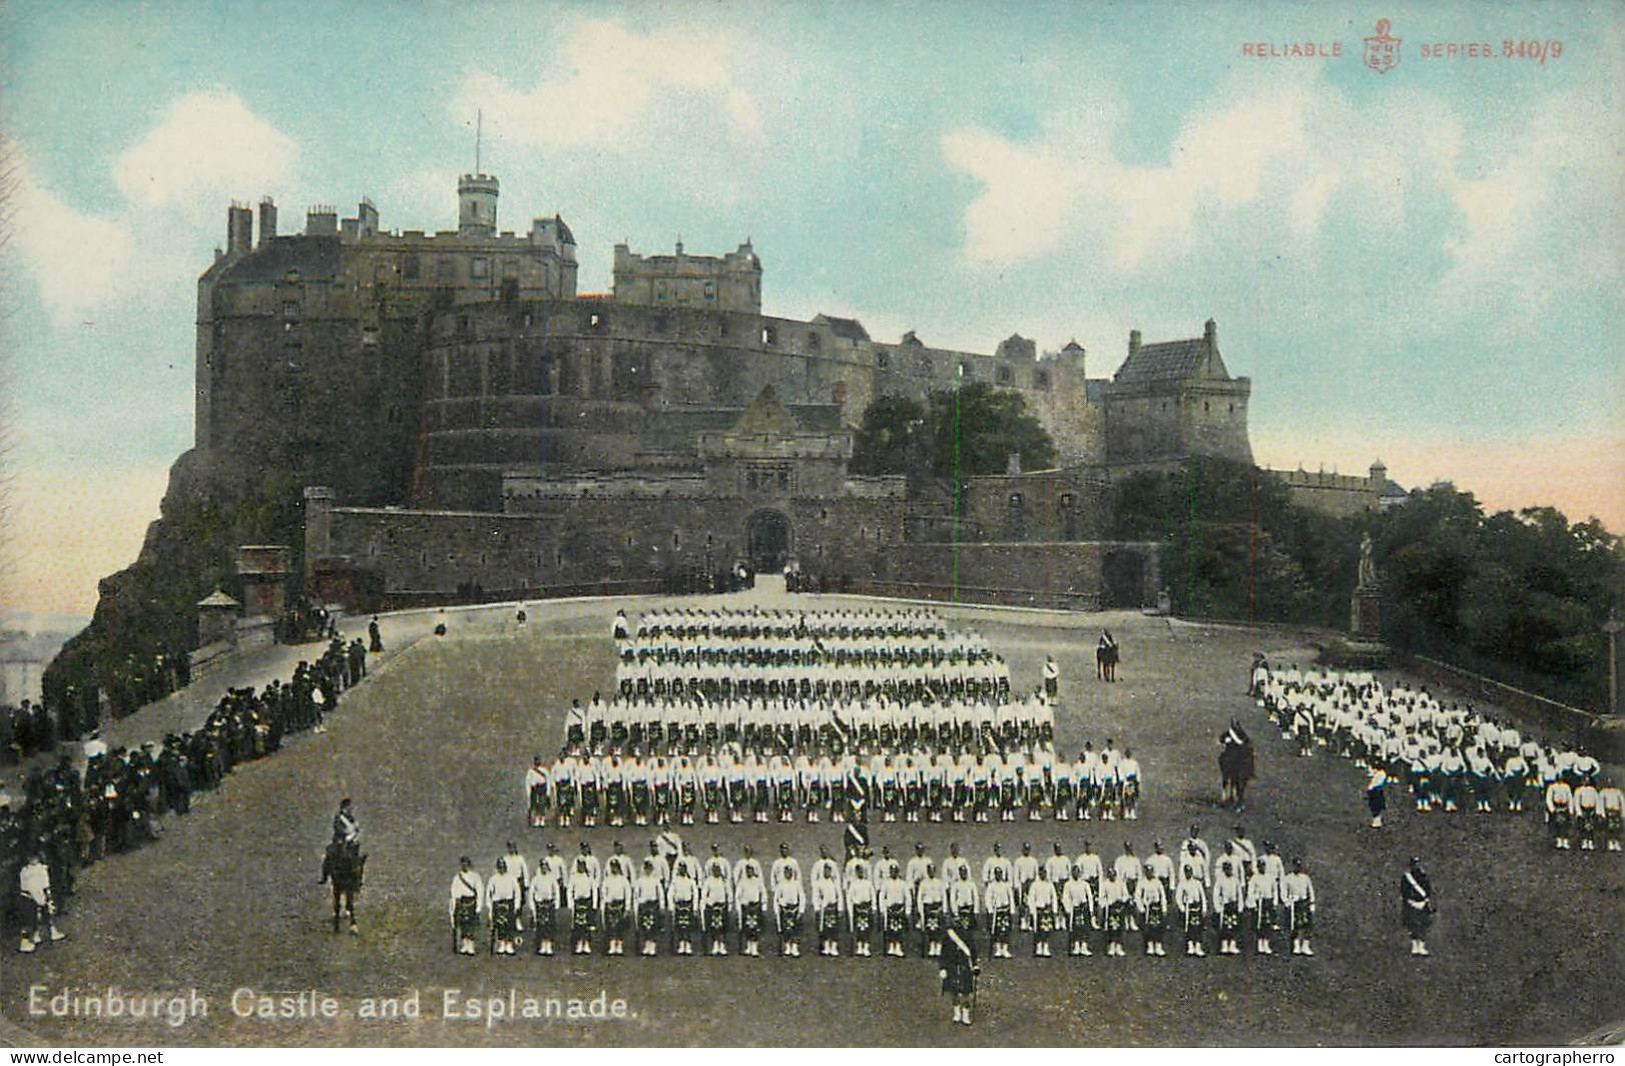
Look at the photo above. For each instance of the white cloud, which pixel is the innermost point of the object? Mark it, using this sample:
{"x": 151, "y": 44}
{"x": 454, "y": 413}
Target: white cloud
{"x": 77, "y": 260}
{"x": 207, "y": 142}
{"x": 608, "y": 88}
{"x": 1261, "y": 155}
{"x": 175, "y": 180}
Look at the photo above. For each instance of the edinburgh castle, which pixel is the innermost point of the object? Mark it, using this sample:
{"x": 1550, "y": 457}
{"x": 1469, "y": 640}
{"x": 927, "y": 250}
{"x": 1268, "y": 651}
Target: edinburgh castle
{"x": 463, "y": 418}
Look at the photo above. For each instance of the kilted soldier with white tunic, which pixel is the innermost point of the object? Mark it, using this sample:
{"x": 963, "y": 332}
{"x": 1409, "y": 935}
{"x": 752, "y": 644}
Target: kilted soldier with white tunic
{"x": 616, "y": 897}
{"x": 1078, "y": 903}
{"x": 546, "y": 888}
{"x": 1228, "y": 891}
{"x": 467, "y": 897}
{"x": 683, "y": 895}
{"x": 582, "y": 893}
{"x": 505, "y": 894}
{"x": 1151, "y": 898}
{"x": 1416, "y": 897}
{"x": 931, "y": 900}
{"x": 750, "y": 899}
{"x": 1113, "y": 900}
{"x": 860, "y": 910}
{"x": 894, "y": 905}
{"x": 1613, "y": 815}
{"x": 1263, "y": 904}
{"x": 1298, "y": 896}
{"x": 963, "y": 898}
{"x": 649, "y": 896}
{"x": 1000, "y": 903}
{"x": 1191, "y": 900}
{"x": 826, "y": 905}
{"x": 715, "y": 898}
{"x": 538, "y": 792}
{"x": 789, "y": 907}
{"x": 959, "y": 972}
{"x": 1042, "y": 906}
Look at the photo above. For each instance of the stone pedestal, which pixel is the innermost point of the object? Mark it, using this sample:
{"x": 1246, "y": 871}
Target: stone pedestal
{"x": 1365, "y": 615}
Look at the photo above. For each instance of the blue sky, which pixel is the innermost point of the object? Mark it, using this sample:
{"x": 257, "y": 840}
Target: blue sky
{"x": 1421, "y": 265}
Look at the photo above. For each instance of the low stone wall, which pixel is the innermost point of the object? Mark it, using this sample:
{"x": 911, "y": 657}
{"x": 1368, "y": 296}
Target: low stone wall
{"x": 997, "y": 597}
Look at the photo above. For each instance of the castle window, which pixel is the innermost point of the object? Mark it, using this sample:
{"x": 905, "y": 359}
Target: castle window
{"x": 372, "y": 548}
{"x": 676, "y": 540}
{"x": 629, "y": 540}
{"x": 812, "y": 342}
{"x": 1067, "y": 499}
{"x": 1006, "y": 375}
{"x": 966, "y": 371}
{"x": 445, "y": 268}
{"x": 769, "y": 336}
{"x": 1041, "y": 379}
{"x": 1205, "y": 407}
{"x": 1232, "y": 408}
{"x": 595, "y": 320}
{"x": 882, "y": 360}
{"x": 710, "y": 291}
{"x": 410, "y": 265}
{"x": 479, "y": 267}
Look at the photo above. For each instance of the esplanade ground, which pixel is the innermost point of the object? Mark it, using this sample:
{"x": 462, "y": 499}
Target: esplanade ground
{"x": 433, "y": 749}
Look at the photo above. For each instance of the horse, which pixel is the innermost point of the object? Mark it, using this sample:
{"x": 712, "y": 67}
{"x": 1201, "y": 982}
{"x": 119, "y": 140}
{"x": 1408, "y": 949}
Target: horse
{"x": 344, "y": 865}
{"x": 1236, "y": 765}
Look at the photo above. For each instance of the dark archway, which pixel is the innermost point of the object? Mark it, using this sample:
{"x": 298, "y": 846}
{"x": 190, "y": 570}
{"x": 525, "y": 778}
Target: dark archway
{"x": 768, "y": 535}
{"x": 1123, "y": 580}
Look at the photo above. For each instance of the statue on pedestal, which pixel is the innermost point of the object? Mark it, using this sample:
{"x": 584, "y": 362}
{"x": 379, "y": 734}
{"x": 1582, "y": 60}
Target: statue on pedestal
{"x": 1368, "y": 567}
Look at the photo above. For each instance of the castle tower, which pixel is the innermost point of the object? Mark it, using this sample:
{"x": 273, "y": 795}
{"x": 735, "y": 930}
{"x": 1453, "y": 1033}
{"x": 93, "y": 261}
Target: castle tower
{"x": 477, "y": 205}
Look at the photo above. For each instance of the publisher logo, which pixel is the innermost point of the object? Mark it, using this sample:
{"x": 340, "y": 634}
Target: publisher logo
{"x": 1382, "y": 49}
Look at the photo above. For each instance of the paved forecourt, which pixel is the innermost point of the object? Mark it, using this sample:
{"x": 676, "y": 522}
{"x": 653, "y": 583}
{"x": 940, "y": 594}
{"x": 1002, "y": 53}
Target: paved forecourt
{"x": 433, "y": 751}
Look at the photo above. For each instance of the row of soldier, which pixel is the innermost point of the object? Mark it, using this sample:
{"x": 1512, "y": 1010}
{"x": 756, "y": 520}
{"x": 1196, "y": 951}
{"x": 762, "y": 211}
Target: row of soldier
{"x": 912, "y": 786}
{"x": 672, "y": 894}
{"x": 766, "y": 726}
{"x": 71, "y": 818}
{"x": 754, "y": 623}
{"x": 1449, "y": 757}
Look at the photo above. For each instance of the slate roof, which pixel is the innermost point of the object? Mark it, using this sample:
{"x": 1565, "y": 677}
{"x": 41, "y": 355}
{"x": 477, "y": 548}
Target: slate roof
{"x": 1172, "y": 361}
{"x": 312, "y": 257}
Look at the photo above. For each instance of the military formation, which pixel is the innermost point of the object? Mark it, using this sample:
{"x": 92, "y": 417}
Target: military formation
{"x": 70, "y": 817}
{"x": 671, "y": 900}
{"x": 1447, "y": 756}
{"x": 785, "y": 715}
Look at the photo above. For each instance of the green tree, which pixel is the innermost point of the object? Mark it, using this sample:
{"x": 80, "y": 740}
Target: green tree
{"x": 970, "y": 431}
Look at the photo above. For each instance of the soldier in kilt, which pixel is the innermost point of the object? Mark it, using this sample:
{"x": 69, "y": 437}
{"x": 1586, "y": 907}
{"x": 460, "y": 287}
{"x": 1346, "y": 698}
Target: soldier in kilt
{"x": 505, "y": 894}
{"x": 860, "y": 911}
{"x": 565, "y": 791}
{"x": 1227, "y": 902}
{"x": 736, "y": 793}
{"x": 1263, "y": 903}
{"x": 894, "y": 904}
{"x": 617, "y": 902}
{"x": 1000, "y": 904}
{"x": 962, "y": 899}
{"x": 1078, "y": 903}
{"x": 1298, "y": 895}
{"x": 958, "y": 973}
{"x": 1036, "y": 798}
{"x": 582, "y": 893}
{"x": 1613, "y": 816}
{"x": 1191, "y": 900}
{"x": 750, "y": 900}
{"x": 537, "y": 791}
{"x": 663, "y": 803}
{"x": 649, "y": 894}
{"x": 544, "y": 899}
{"x": 684, "y": 896}
{"x": 467, "y": 896}
{"x": 1114, "y": 900}
{"x": 789, "y": 904}
{"x": 616, "y": 804}
{"x": 714, "y": 898}
{"x": 1152, "y": 898}
{"x": 1416, "y": 899}
{"x": 826, "y": 905}
{"x": 784, "y": 794}
{"x": 931, "y": 896}
{"x": 1065, "y": 794}
{"x": 589, "y": 798}
{"x": 1042, "y": 905}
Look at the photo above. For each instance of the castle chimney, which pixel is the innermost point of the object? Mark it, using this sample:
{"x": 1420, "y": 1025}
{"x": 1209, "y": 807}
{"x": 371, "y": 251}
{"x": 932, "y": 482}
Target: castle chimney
{"x": 1210, "y": 332}
{"x": 267, "y": 220}
{"x": 321, "y": 221}
{"x": 1133, "y": 341}
{"x": 239, "y": 229}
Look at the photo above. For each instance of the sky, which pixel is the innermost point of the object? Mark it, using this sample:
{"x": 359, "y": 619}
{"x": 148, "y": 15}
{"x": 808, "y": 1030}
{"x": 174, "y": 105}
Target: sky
{"x": 1420, "y": 265}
